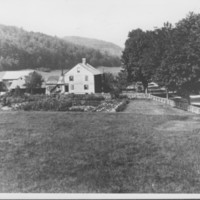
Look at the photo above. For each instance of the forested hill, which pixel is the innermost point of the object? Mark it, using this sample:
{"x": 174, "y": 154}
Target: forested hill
{"x": 101, "y": 45}
{"x": 20, "y": 49}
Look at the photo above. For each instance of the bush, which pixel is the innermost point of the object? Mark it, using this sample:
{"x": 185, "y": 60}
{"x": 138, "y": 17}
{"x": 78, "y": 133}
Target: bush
{"x": 85, "y": 96}
{"x": 115, "y": 94}
{"x": 17, "y": 92}
{"x": 10, "y": 98}
{"x": 122, "y": 106}
{"x": 36, "y": 97}
{"x": 77, "y": 109}
{"x": 82, "y": 108}
{"x": 94, "y": 97}
{"x": 48, "y": 103}
{"x": 123, "y": 96}
{"x": 5, "y": 102}
{"x": 64, "y": 105}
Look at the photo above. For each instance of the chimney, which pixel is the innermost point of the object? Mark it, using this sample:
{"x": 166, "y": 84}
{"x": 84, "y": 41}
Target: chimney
{"x": 84, "y": 61}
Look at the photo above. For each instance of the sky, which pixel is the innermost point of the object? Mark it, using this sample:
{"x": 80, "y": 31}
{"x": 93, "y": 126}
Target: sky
{"x": 109, "y": 20}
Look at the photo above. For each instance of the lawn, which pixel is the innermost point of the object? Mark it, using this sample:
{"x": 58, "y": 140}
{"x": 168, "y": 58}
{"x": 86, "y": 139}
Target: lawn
{"x": 133, "y": 151}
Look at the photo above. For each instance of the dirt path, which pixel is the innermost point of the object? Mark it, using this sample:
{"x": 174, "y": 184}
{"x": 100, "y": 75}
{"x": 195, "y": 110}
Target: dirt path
{"x": 150, "y": 107}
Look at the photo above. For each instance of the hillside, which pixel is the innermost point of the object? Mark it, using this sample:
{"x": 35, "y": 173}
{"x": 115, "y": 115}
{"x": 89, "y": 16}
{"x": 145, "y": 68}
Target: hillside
{"x": 20, "y": 49}
{"x": 102, "y": 46}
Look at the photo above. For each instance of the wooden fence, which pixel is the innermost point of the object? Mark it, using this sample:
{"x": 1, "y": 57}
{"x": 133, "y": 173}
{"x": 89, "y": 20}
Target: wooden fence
{"x": 132, "y": 95}
{"x": 177, "y": 104}
{"x": 163, "y": 100}
{"x": 194, "y": 109}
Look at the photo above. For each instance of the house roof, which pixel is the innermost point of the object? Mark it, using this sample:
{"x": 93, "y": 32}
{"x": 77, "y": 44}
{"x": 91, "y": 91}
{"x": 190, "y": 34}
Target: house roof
{"x": 90, "y": 68}
{"x": 52, "y": 80}
{"x": 14, "y": 75}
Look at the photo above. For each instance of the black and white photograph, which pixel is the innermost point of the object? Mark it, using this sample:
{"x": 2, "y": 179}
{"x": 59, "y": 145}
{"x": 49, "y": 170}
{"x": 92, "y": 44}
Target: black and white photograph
{"x": 99, "y": 97}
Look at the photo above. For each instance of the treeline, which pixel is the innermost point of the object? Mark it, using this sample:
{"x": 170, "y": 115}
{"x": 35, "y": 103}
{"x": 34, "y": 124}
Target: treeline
{"x": 169, "y": 55}
{"x": 20, "y": 49}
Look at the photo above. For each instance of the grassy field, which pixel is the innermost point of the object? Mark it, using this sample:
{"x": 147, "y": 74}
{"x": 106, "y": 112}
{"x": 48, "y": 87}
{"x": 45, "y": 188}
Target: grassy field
{"x": 144, "y": 149}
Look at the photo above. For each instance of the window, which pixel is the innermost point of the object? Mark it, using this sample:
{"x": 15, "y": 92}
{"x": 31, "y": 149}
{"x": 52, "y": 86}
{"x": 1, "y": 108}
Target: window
{"x": 78, "y": 69}
{"x": 66, "y": 88}
{"x": 72, "y": 87}
{"x": 71, "y": 78}
{"x": 86, "y": 78}
{"x": 86, "y": 87}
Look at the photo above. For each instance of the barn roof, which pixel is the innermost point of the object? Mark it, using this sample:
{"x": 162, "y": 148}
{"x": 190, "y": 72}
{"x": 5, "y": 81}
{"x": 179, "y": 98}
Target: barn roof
{"x": 18, "y": 83}
{"x": 14, "y": 75}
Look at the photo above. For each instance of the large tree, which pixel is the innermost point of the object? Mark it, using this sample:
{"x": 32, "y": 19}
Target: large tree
{"x": 140, "y": 56}
{"x": 180, "y": 67}
{"x": 165, "y": 45}
{"x": 167, "y": 55}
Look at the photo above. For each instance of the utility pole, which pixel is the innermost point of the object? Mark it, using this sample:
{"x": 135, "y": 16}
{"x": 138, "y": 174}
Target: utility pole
{"x": 102, "y": 82}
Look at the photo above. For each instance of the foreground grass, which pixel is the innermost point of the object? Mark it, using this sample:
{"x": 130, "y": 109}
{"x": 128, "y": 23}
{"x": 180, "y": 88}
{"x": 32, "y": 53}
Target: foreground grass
{"x": 97, "y": 152}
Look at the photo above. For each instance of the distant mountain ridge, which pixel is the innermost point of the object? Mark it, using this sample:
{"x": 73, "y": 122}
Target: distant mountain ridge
{"x": 20, "y": 49}
{"x": 101, "y": 45}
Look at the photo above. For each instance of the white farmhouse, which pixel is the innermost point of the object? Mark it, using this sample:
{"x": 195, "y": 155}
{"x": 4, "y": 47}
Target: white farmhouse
{"x": 82, "y": 79}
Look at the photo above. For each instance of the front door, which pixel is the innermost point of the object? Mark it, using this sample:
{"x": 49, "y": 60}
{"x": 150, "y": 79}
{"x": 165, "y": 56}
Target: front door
{"x": 66, "y": 88}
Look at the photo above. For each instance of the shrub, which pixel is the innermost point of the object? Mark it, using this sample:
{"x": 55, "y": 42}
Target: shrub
{"x": 17, "y": 92}
{"x": 48, "y": 103}
{"x": 122, "y": 106}
{"x": 115, "y": 94}
{"x": 94, "y": 97}
{"x": 5, "y": 102}
{"x": 35, "y": 97}
{"x": 82, "y": 108}
{"x": 77, "y": 108}
{"x": 13, "y": 98}
{"x": 123, "y": 96}
{"x": 64, "y": 105}
{"x": 85, "y": 96}
{"x": 10, "y": 98}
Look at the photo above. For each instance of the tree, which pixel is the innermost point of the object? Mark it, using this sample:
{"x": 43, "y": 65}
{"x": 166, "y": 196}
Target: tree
{"x": 33, "y": 80}
{"x": 122, "y": 80}
{"x": 114, "y": 84}
{"x": 108, "y": 82}
{"x": 167, "y": 55}
{"x": 165, "y": 43}
{"x": 180, "y": 68}
{"x": 140, "y": 56}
